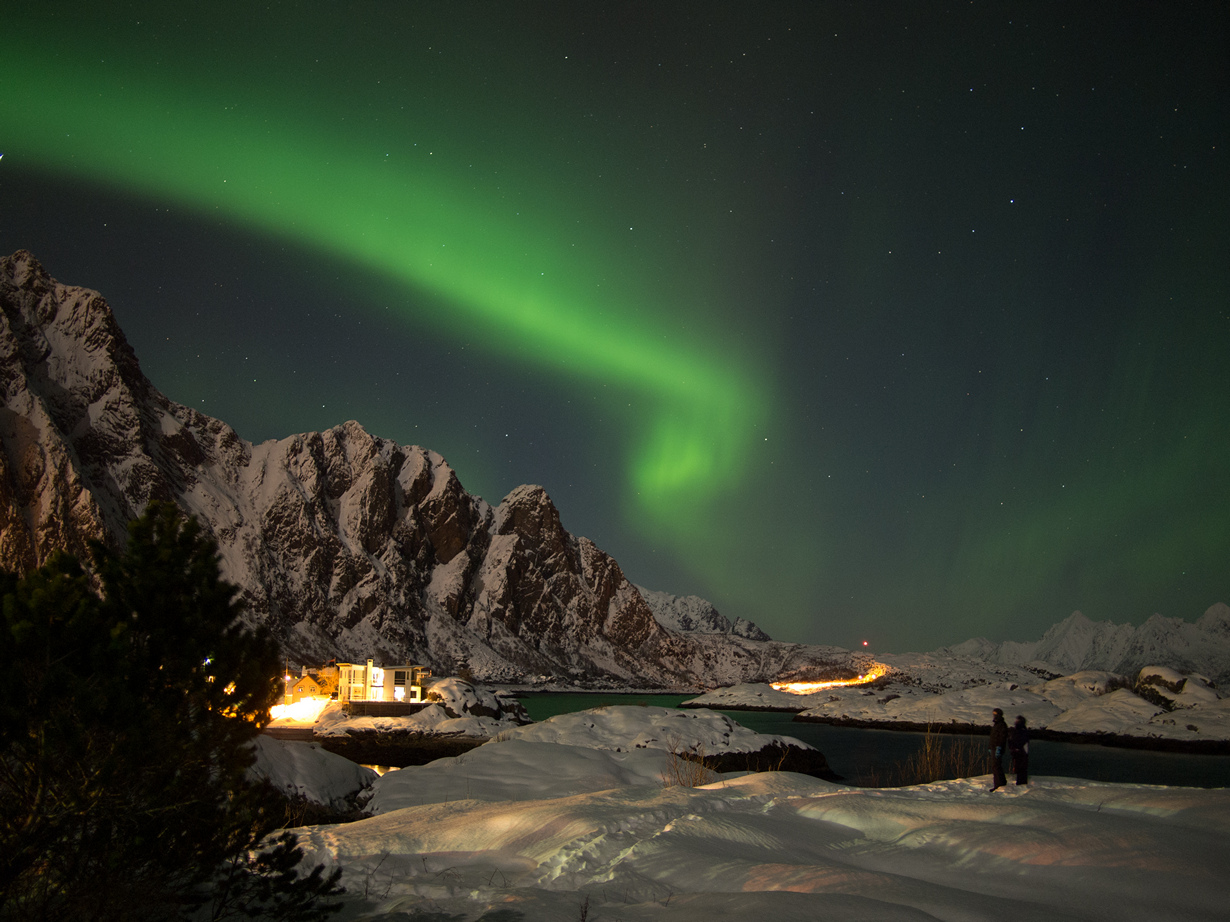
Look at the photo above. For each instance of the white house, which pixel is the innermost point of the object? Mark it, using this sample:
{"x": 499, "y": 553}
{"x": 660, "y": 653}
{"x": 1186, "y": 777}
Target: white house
{"x": 370, "y": 682}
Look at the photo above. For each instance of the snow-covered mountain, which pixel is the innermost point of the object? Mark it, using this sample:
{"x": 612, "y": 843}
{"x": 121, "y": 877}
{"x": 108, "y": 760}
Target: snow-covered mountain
{"x": 344, "y": 543}
{"x": 692, "y": 614}
{"x": 1076, "y": 644}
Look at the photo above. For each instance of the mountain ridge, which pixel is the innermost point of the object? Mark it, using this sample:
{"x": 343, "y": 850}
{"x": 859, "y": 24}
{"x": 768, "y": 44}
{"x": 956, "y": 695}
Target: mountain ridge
{"x": 1077, "y": 643}
{"x": 346, "y": 544}
{"x": 350, "y": 545}
{"x": 692, "y": 614}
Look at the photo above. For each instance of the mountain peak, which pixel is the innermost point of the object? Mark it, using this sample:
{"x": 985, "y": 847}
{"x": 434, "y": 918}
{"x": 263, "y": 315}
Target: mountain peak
{"x": 1077, "y": 643}
{"x": 1216, "y": 619}
{"x": 692, "y": 614}
{"x": 345, "y": 544}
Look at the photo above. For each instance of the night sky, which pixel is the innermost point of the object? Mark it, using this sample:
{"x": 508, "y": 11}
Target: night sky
{"x": 905, "y": 322}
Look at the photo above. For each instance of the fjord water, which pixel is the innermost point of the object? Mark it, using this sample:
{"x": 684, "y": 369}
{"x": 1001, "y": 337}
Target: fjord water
{"x": 859, "y": 755}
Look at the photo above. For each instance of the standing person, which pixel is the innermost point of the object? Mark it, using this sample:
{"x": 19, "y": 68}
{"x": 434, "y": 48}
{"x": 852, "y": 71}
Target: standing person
{"x": 1018, "y": 745}
{"x": 999, "y": 739}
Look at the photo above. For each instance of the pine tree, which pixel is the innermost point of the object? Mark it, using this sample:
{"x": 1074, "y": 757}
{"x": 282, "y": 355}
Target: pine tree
{"x": 125, "y": 741}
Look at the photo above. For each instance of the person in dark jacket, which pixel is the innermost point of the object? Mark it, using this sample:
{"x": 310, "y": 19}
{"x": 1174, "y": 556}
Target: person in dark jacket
{"x": 999, "y": 740}
{"x": 1018, "y": 745}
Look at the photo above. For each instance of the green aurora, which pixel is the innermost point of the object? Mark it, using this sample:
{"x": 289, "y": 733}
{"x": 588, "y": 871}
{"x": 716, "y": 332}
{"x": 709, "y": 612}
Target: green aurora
{"x": 909, "y": 334}
{"x": 521, "y": 290}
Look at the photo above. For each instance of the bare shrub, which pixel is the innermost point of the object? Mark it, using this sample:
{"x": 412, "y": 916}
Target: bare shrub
{"x": 686, "y": 768}
{"x": 962, "y": 757}
{"x": 941, "y": 757}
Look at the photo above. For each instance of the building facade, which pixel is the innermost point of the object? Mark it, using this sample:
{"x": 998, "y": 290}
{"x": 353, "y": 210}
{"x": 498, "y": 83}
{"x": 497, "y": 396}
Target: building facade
{"x": 369, "y": 682}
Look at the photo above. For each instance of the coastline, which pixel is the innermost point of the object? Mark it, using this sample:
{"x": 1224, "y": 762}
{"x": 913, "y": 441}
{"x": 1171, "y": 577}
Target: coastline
{"x": 398, "y": 749}
{"x": 405, "y": 747}
{"x": 1117, "y": 740}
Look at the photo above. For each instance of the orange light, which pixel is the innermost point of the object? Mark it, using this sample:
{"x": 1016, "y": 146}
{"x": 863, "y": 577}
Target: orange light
{"x": 876, "y": 671}
{"x": 305, "y": 710}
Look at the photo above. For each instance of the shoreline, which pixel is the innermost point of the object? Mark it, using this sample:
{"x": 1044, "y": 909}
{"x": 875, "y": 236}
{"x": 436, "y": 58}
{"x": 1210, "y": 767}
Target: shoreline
{"x": 392, "y": 748}
{"x": 396, "y": 749}
{"x": 1115, "y": 740}
{"x": 519, "y": 691}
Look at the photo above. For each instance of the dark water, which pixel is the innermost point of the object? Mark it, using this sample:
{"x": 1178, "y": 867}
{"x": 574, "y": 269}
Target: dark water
{"x": 863, "y": 755}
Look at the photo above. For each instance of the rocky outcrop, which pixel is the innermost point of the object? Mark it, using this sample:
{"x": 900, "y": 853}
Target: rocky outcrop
{"x": 49, "y": 464}
{"x": 345, "y": 544}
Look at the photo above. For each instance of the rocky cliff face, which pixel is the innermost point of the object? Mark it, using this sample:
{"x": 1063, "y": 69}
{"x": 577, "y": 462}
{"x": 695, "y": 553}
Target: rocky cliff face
{"x": 346, "y": 544}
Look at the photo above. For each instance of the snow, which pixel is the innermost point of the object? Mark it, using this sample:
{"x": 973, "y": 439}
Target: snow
{"x": 555, "y": 830}
{"x": 306, "y": 770}
{"x": 457, "y": 708}
{"x": 512, "y": 770}
{"x": 623, "y": 727}
{"x": 1119, "y": 711}
{"x": 1078, "y": 643}
{"x": 1069, "y": 691}
{"x": 937, "y": 689}
{"x": 753, "y": 697}
{"x": 432, "y": 720}
{"x": 692, "y": 614}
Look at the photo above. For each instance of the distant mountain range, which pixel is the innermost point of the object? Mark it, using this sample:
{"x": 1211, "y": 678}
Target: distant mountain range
{"x": 347, "y": 545}
{"x": 1076, "y": 643}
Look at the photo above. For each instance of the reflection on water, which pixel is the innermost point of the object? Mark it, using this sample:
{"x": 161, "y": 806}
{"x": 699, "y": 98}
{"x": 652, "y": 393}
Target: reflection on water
{"x": 863, "y": 755}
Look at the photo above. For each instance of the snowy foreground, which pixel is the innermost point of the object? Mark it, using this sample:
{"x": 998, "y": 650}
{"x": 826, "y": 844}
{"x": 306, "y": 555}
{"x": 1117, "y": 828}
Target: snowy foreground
{"x": 570, "y": 820}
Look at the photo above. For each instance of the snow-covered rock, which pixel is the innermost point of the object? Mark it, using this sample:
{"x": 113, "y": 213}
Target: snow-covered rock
{"x": 1206, "y": 722}
{"x": 1119, "y": 712}
{"x": 753, "y": 697}
{"x": 455, "y": 708}
{"x": 305, "y": 770}
{"x": 629, "y": 726}
{"x": 905, "y": 705}
{"x": 1068, "y": 691}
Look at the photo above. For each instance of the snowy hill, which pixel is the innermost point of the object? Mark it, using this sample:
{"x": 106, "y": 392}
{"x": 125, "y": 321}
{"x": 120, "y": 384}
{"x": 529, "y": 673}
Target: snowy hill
{"x": 1077, "y": 643}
